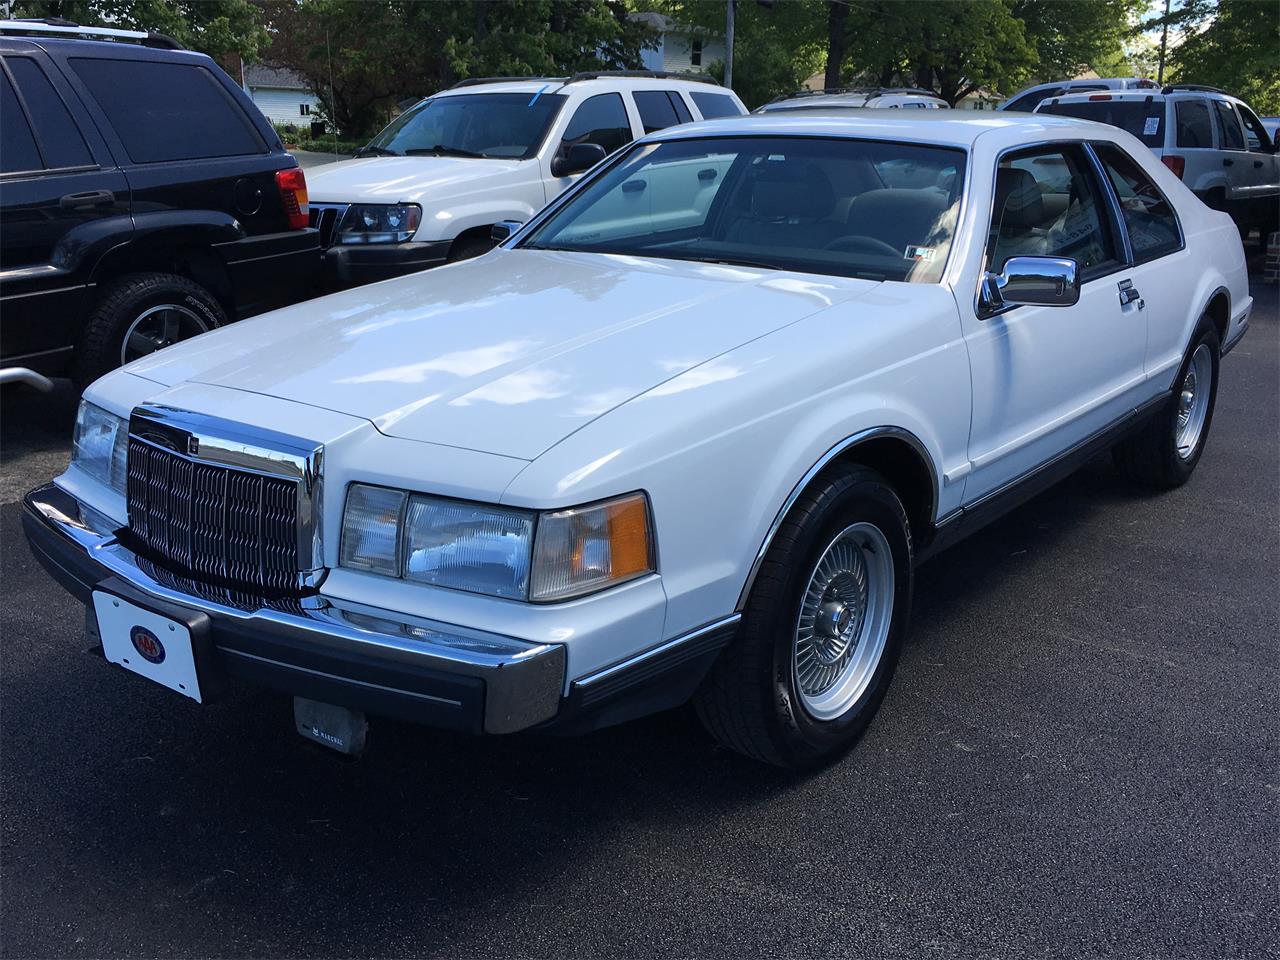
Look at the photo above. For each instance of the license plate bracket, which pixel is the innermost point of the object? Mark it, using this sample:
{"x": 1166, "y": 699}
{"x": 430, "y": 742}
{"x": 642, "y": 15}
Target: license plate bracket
{"x": 188, "y": 663}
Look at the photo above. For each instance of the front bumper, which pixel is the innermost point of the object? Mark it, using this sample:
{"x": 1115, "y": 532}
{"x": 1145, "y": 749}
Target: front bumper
{"x": 363, "y": 658}
{"x": 357, "y": 263}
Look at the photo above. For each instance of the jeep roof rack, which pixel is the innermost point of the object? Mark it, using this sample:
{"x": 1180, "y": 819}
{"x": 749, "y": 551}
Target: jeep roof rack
{"x": 1203, "y": 88}
{"x": 479, "y": 81}
{"x": 55, "y": 27}
{"x": 868, "y": 92}
{"x": 643, "y": 74}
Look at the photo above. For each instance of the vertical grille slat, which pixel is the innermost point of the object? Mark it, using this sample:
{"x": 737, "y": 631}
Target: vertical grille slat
{"x": 213, "y": 523}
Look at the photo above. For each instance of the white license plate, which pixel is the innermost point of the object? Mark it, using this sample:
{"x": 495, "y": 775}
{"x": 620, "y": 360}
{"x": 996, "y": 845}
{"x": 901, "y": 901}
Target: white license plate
{"x": 146, "y": 643}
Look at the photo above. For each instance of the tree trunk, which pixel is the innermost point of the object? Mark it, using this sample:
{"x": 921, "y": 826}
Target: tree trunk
{"x": 837, "y": 13}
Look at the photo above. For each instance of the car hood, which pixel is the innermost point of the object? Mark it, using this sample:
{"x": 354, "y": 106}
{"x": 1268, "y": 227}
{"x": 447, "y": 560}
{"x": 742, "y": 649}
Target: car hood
{"x": 505, "y": 354}
{"x": 407, "y": 179}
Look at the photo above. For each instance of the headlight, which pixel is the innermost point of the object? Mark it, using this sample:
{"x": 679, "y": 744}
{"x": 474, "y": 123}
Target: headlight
{"x": 498, "y": 551}
{"x": 379, "y": 223}
{"x": 100, "y": 445}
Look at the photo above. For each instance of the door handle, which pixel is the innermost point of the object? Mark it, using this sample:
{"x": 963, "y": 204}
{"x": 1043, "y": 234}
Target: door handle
{"x": 1228, "y": 162}
{"x": 1257, "y": 164}
{"x": 93, "y": 198}
{"x": 1129, "y": 293}
{"x": 634, "y": 186}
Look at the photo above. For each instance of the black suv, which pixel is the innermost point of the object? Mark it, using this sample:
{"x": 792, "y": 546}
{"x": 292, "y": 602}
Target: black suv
{"x": 143, "y": 199}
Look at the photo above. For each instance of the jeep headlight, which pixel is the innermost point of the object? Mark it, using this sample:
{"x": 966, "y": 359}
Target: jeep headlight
{"x": 497, "y": 551}
{"x": 100, "y": 444}
{"x": 379, "y": 223}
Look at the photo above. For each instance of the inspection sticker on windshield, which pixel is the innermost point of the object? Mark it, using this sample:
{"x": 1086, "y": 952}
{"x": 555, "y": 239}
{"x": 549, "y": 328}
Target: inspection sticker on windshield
{"x": 919, "y": 253}
{"x": 1151, "y": 127}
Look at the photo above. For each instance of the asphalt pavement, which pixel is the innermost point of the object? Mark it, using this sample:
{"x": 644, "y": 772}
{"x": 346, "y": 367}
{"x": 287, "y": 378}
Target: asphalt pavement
{"x": 1079, "y": 757}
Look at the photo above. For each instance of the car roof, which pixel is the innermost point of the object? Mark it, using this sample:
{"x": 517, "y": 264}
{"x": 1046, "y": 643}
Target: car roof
{"x": 94, "y": 46}
{"x": 851, "y": 100}
{"x": 595, "y": 85}
{"x": 950, "y": 128}
{"x": 1130, "y": 95}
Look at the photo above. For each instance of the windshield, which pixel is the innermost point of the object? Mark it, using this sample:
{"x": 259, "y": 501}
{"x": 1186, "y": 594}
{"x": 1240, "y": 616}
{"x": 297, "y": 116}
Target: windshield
{"x": 1143, "y": 118}
{"x": 508, "y": 125}
{"x": 843, "y": 207}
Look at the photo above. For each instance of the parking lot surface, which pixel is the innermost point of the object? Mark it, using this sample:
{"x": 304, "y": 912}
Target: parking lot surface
{"x": 1079, "y": 757}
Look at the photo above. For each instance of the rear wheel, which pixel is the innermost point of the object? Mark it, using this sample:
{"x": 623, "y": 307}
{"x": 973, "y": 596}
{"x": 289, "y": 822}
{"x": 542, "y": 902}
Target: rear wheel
{"x": 1165, "y": 452}
{"x": 139, "y": 314}
{"x": 822, "y": 628}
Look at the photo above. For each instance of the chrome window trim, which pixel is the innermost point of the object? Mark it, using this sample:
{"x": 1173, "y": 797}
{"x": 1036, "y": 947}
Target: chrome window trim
{"x": 250, "y": 449}
{"x": 840, "y": 448}
{"x": 1119, "y": 210}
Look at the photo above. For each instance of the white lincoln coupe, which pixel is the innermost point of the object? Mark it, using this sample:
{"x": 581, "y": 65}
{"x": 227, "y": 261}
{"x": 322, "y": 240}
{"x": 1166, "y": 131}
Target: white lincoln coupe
{"x": 685, "y": 434}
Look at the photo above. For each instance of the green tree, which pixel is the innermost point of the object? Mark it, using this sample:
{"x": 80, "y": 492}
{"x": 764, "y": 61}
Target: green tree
{"x": 219, "y": 28}
{"x": 360, "y": 56}
{"x": 1071, "y": 36}
{"x": 776, "y": 48}
{"x": 1233, "y": 44}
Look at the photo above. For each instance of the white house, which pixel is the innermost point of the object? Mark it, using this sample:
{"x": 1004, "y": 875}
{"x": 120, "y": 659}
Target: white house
{"x": 681, "y": 48}
{"x": 280, "y": 94}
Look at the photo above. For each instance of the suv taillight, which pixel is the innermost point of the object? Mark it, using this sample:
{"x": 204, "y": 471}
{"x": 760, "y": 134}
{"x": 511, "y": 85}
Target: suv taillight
{"x": 1175, "y": 163}
{"x": 293, "y": 194}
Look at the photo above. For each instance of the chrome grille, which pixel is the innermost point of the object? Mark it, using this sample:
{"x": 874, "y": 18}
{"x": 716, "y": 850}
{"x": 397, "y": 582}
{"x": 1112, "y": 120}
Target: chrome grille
{"x": 325, "y": 217}
{"x": 214, "y": 523}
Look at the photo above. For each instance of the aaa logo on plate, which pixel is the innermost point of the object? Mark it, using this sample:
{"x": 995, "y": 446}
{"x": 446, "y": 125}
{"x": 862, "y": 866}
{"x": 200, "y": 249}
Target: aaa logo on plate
{"x": 147, "y": 644}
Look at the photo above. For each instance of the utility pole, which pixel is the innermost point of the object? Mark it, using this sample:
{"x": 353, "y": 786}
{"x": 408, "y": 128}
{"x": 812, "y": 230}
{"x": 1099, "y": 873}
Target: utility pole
{"x": 1164, "y": 43}
{"x": 728, "y": 44}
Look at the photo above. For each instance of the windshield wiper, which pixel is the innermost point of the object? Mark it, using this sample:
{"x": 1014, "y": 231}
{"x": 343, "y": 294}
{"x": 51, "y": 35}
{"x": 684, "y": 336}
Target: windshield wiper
{"x": 372, "y": 151}
{"x": 440, "y": 150}
{"x": 730, "y": 262}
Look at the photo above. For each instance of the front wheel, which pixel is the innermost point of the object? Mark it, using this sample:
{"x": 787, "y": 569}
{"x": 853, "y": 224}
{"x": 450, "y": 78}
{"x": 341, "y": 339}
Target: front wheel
{"x": 822, "y": 629}
{"x": 1164, "y": 453}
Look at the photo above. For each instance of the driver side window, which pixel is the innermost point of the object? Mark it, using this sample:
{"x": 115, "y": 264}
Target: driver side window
{"x": 601, "y": 119}
{"x": 1047, "y": 204}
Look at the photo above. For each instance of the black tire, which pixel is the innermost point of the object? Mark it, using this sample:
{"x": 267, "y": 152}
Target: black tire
{"x": 1151, "y": 455}
{"x": 750, "y": 701}
{"x": 466, "y": 247}
{"x": 124, "y": 301}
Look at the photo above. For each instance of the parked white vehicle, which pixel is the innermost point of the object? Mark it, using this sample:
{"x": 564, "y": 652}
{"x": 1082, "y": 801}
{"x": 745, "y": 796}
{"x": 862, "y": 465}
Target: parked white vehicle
{"x": 1212, "y": 141}
{"x": 686, "y": 434}
{"x": 888, "y": 98}
{"x": 1026, "y": 101}
{"x": 427, "y": 188}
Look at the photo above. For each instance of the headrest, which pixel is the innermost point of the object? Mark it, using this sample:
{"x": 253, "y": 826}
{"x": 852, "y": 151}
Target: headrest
{"x": 792, "y": 191}
{"x": 897, "y": 216}
{"x": 1019, "y": 203}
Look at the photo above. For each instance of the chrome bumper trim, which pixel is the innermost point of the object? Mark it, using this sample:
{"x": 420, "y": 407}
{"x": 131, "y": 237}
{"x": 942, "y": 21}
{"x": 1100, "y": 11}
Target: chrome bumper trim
{"x": 524, "y": 681}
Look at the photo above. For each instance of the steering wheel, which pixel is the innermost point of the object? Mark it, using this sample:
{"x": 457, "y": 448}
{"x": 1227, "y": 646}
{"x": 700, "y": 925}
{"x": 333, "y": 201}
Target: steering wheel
{"x": 858, "y": 243}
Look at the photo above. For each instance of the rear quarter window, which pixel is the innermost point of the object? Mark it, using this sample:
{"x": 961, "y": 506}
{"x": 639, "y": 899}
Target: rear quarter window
{"x": 713, "y": 105}
{"x": 168, "y": 111}
{"x": 1142, "y": 119}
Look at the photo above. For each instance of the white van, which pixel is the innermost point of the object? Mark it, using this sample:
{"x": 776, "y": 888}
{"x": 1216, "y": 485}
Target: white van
{"x": 429, "y": 187}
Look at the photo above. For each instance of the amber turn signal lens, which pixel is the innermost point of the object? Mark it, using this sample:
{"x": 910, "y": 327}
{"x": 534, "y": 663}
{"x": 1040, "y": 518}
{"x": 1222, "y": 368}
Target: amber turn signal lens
{"x": 586, "y": 549}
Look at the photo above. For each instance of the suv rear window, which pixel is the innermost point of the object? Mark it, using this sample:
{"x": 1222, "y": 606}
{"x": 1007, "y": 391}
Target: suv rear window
{"x": 1143, "y": 119}
{"x": 168, "y": 111}
{"x": 715, "y": 105}
{"x": 60, "y": 139}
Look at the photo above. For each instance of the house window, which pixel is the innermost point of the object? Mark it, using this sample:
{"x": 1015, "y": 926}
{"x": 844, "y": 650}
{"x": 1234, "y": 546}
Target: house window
{"x": 695, "y": 55}
{"x": 304, "y": 109}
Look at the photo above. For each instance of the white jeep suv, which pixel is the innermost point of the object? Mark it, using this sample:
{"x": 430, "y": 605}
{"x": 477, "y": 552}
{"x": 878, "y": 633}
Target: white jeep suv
{"x": 427, "y": 189}
{"x": 1214, "y": 143}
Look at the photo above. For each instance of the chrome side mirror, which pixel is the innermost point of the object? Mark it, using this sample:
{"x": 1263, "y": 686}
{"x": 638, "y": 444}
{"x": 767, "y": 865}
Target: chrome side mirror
{"x": 1032, "y": 281}
{"x": 503, "y": 229}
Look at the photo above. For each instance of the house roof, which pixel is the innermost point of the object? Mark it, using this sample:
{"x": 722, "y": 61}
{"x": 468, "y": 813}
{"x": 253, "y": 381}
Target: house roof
{"x": 277, "y": 78}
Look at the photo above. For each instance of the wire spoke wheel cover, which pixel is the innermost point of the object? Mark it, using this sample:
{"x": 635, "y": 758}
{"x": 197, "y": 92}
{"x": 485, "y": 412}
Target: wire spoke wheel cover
{"x": 1193, "y": 402}
{"x": 158, "y": 327}
{"x": 844, "y": 621}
